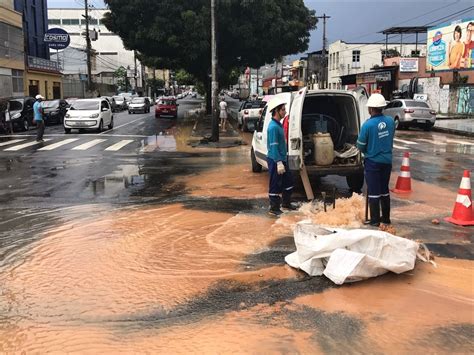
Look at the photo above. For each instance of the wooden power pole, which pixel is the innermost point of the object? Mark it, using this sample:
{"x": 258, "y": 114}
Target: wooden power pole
{"x": 88, "y": 47}
{"x": 214, "y": 83}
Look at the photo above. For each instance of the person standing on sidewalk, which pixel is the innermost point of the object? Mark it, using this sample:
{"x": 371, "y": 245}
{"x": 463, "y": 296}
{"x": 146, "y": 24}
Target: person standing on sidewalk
{"x": 375, "y": 141}
{"x": 223, "y": 113}
{"x": 39, "y": 118}
{"x": 281, "y": 180}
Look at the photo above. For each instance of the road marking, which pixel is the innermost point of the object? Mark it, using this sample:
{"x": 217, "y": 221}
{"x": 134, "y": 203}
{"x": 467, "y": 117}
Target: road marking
{"x": 24, "y": 145}
{"x": 119, "y": 145}
{"x": 125, "y": 124}
{"x": 59, "y": 144}
{"x": 431, "y": 142}
{"x": 459, "y": 142}
{"x": 399, "y": 147}
{"x": 88, "y": 145}
{"x": 11, "y": 142}
{"x": 403, "y": 141}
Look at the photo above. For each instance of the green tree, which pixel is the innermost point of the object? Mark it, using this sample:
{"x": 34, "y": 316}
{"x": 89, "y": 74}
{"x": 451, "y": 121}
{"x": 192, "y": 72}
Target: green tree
{"x": 123, "y": 83}
{"x": 184, "y": 78}
{"x": 177, "y": 32}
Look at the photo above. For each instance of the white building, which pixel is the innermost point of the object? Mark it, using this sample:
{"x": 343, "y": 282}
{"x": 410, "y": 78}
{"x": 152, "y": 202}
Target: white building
{"x": 109, "y": 51}
{"x": 354, "y": 58}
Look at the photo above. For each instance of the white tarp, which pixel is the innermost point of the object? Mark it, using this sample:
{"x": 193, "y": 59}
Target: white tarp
{"x": 350, "y": 255}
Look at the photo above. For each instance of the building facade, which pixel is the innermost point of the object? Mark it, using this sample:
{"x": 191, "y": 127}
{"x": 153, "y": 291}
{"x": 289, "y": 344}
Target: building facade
{"x": 12, "y": 56}
{"x": 108, "y": 51}
{"x": 355, "y": 58}
{"x": 42, "y": 76}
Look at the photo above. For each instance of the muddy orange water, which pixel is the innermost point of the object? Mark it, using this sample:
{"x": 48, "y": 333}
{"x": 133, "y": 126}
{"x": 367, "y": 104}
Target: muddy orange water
{"x": 179, "y": 278}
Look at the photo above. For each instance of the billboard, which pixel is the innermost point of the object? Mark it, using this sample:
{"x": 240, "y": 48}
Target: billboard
{"x": 451, "y": 46}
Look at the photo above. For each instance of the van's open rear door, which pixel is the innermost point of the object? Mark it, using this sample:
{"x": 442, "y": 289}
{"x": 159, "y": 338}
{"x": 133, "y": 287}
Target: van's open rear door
{"x": 295, "y": 135}
{"x": 361, "y": 96}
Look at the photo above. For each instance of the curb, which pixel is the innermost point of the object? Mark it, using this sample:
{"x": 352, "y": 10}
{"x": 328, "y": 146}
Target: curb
{"x": 453, "y": 131}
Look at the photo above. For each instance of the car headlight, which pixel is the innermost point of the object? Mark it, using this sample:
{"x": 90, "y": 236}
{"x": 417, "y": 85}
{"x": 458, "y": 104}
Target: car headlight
{"x": 95, "y": 115}
{"x": 68, "y": 115}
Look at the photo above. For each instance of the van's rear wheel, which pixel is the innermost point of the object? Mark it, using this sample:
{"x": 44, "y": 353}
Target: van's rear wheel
{"x": 256, "y": 167}
{"x": 355, "y": 182}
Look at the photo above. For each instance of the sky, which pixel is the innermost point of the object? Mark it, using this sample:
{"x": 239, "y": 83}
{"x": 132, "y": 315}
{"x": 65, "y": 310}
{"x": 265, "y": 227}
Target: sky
{"x": 360, "y": 20}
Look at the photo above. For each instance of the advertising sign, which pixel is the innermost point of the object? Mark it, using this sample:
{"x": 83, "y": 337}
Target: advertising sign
{"x": 408, "y": 65}
{"x": 451, "y": 46}
{"x": 57, "y": 38}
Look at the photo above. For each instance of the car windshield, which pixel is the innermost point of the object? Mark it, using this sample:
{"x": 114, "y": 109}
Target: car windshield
{"x": 118, "y": 98}
{"x": 50, "y": 104}
{"x": 168, "y": 102}
{"x": 254, "y": 104}
{"x": 16, "y": 105}
{"x": 85, "y": 105}
{"x": 416, "y": 104}
{"x": 138, "y": 100}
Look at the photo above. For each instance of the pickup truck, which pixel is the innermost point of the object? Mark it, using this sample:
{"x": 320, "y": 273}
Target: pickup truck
{"x": 248, "y": 114}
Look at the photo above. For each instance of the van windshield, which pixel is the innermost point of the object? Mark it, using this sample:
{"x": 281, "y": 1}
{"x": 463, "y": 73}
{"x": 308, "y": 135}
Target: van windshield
{"x": 85, "y": 105}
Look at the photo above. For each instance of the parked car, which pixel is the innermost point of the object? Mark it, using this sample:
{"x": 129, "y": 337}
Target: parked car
{"x": 120, "y": 102}
{"x": 166, "y": 107}
{"x": 248, "y": 114}
{"x": 139, "y": 104}
{"x": 54, "y": 111}
{"x": 89, "y": 114}
{"x": 21, "y": 112}
{"x": 335, "y": 115}
{"x": 408, "y": 113}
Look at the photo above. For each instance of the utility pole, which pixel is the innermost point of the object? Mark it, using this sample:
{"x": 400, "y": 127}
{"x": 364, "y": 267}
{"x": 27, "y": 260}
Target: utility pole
{"x": 88, "y": 46}
{"x": 324, "y": 76}
{"x": 135, "y": 71}
{"x": 214, "y": 84}
{"x": 276, "y": 79}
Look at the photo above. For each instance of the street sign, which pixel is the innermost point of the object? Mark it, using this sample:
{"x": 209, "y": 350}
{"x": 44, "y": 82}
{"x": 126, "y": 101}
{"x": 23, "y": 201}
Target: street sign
{"x": 57, "y": 38}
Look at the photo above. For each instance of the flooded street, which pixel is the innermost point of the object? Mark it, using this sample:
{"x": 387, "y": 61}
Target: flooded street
{"x": 161, "y": 247}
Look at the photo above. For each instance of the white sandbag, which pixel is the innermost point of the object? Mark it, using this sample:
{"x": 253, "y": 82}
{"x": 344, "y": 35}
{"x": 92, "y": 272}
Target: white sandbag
{"x": 350, "y": 255}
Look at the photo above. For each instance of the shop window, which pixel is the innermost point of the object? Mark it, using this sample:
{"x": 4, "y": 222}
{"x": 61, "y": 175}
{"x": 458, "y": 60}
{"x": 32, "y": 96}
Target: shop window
{"x": 54, "y": 21}
{"x": 33, "y": 88}
{"x": 70, "y": 21}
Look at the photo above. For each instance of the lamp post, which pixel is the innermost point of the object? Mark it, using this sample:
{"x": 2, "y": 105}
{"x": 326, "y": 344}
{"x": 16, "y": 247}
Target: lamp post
{"x": 214, "y": 84}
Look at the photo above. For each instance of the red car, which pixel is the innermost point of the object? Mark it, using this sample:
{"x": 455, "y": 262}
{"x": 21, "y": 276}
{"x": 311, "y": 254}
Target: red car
{"x": 167, "y": 107}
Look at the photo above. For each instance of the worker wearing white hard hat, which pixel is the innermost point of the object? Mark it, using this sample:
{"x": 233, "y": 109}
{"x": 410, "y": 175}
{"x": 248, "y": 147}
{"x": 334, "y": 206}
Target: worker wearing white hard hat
{"x": 375, "y": 141}
{"x": 39, "y": 117}
{"x": 281, "y": 180}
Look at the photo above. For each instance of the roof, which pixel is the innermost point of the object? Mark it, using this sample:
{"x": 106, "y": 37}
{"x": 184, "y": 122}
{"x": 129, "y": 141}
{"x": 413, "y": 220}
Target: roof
{"x": 407, "y": 29}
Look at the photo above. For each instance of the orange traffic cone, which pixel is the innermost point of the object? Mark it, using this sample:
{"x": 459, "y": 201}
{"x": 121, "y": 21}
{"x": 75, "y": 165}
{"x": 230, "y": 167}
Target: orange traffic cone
{"x": 463, "y": 214}
{"x": 404, "y": 180}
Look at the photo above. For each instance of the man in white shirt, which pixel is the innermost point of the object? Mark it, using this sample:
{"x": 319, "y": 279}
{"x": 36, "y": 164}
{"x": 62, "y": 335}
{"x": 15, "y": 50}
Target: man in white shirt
{"x": 223, "y": 114}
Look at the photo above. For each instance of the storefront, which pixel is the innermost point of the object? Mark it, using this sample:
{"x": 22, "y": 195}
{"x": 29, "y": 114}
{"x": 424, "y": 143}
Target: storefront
{"x": 381, "y": 81}
{"x": 43, "y": 77}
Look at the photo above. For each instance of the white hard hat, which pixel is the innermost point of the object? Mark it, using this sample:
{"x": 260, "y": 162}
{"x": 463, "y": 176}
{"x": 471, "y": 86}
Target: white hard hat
{"x": 38, "y": 97}
{"x": 275, "y": 102}
{"x": 376, "y": 100}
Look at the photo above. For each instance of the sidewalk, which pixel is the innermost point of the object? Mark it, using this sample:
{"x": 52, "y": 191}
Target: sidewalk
{"x": 463, "y": 127}
{"x": 202, "y": 131}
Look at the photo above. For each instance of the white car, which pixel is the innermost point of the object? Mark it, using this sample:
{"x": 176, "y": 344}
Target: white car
{"x": 89, "y": 114}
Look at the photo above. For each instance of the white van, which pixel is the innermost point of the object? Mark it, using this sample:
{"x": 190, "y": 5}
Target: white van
{"x": 335, "y": 113}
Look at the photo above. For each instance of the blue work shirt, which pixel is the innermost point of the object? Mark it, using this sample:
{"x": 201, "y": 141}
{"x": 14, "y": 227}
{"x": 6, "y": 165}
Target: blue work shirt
{"x": 38, "y": 111}
{"x": 276, "y": 143}
{"x": 376, "y": 139}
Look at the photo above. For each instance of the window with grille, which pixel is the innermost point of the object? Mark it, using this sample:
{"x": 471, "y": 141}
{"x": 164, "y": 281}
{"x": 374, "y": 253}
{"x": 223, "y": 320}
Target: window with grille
{"x": 356, "y": 59}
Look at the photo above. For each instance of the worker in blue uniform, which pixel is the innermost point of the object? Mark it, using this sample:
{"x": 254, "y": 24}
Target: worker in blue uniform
{"x": 281, "y": 180}
{"x": 375, "y": 141}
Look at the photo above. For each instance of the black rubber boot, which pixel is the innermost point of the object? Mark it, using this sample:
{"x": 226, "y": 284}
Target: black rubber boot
{"x": 385, "y": 204}
{"x": 374, "y": 213}
{"x": 287, "y": 203}
{"x": 275, "y": 208}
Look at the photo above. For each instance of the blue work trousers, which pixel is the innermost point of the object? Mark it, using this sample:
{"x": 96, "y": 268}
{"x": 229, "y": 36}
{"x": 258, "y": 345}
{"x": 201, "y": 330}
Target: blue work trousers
{"x": 377, "y": 176}
{"x": 279, "y": 184}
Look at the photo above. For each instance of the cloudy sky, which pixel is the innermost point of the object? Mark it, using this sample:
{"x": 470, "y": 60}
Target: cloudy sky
{"x": 361, "y": 20}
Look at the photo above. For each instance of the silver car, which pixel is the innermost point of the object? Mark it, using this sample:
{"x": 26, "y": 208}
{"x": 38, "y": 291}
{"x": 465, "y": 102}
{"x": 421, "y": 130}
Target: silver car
{"x": 408, "y": 113}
